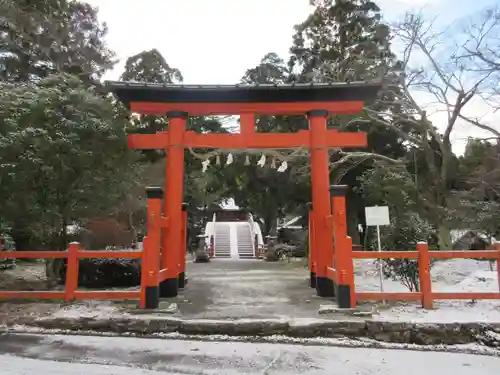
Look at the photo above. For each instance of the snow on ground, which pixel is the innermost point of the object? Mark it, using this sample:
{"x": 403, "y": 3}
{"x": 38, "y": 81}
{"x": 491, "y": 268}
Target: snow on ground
{"x": 457, "y": 275}
{"x": 251, "y": 294}
{"x": 91, "y": 309}
{"x": 12, "y": 365}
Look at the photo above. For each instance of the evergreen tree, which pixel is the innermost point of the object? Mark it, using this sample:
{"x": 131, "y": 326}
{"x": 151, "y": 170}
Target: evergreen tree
{"x": 39, "y": 38}
{"x": 342, "y": 40}
{"x": 346, "y": 40}
{"x": 64, "y": 157}
{"x": 150, "y": 67}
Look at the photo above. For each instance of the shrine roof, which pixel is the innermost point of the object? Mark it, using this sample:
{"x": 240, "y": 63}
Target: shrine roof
{"x": 129, "y": 92}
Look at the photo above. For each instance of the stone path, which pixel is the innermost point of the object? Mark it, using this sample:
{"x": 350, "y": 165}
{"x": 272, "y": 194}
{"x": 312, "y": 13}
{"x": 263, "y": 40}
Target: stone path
{"x": 228, "y": 289}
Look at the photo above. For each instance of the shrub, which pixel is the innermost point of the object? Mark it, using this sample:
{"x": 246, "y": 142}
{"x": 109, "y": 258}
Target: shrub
{"x": 7, "y": 243}
{"x": 403, "y": 234}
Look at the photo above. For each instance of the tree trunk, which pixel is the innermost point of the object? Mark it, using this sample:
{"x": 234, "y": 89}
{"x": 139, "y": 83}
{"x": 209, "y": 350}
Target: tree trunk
{"x": 64, "y": 234}
{"x": 271, "y": 224}
{"x": 352, "y": 222}
{"x": 444, "y": 236}
{"x": 54, "y": 267}
{"x": 23, "y": 237}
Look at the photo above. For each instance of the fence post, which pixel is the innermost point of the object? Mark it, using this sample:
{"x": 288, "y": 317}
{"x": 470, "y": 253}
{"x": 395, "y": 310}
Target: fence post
{"x": 152, "y": 248}
{"x": 72, "y": 263}
{"x": 497, "y": 248}
{"x": 144, "y": 272}
{"x": 350, "y": 270}
{"x": 424, "y": 274}
{"x": 312, "y": 259}
{"x": 182, "y": 279}
{"x": 342, "y": 249}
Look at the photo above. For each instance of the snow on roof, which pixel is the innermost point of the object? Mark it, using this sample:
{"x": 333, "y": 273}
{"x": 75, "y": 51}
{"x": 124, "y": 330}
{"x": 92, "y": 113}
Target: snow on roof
{"x": 290, "y": 223}
{"x": 229, "y": 204}
{"x": 458, "y": 234}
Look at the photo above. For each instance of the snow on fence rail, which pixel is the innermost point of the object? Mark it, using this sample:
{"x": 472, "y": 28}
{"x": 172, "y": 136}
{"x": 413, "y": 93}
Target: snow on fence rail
{"x": 73, "y": 255}
{"x": 424, "y": 256}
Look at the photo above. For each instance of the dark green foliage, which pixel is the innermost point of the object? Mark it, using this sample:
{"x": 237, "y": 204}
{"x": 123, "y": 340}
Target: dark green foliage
{"x": 342, "y": 40}
{"x": 40, "y": 38}
{"x": 151, "y": 67}
{"x": 392, "y": 186}
{"x": 404, "y": 234}
{"x": 62, "y": 149}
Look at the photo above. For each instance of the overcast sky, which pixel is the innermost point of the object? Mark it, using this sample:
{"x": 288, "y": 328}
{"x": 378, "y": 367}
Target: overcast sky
{"x": 215, "y": 41}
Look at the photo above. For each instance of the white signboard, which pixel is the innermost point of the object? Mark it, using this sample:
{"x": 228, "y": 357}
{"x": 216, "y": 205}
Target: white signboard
{"x": 376, "y": 216}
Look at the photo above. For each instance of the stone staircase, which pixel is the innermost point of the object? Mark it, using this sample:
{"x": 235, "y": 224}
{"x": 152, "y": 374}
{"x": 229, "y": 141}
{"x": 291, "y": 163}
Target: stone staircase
{"x": 245, "y": 243}
{"x": 222, "y": 245}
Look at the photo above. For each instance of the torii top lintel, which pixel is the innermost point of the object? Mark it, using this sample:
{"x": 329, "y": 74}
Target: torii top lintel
{"x": 200, "y": 100}
{"x": 246, "y": 101}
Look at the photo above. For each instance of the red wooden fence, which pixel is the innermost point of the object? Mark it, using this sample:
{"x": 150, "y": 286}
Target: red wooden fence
{"x": 153, "y": 270}
{"x": 73, "y": 256}
{"x": 424, "y": 256}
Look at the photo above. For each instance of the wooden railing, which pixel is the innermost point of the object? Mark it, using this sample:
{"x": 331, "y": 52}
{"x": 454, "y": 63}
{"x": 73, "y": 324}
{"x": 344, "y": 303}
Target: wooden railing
{"x": 423, "y": 255}
{"x": 162, "y": 268}
{"x": 73, "y": 255}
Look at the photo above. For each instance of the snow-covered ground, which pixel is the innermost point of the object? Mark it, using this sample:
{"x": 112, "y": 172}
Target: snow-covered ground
{"x": 457, "y": 275}
{"x": 264, "y": 290}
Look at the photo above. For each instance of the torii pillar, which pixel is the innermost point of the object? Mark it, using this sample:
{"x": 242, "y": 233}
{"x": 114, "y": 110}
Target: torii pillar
{"x": 174, "y": 191}
{"x": 320, "y": 182}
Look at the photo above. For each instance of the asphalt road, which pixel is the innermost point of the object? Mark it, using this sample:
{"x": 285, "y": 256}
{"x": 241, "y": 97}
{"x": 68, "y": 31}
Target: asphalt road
{"x": 23, "y": 354}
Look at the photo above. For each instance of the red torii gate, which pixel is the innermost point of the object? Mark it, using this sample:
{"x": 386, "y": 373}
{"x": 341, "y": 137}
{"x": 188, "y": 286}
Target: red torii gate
{"x": 330, "y": 275}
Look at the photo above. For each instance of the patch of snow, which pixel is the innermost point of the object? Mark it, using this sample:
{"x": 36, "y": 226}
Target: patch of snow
{"x": 457, "y": 275}
{"x": 90, "y": 309}
{"x": 229, "y": 204}
{"x": 12, "y": 365}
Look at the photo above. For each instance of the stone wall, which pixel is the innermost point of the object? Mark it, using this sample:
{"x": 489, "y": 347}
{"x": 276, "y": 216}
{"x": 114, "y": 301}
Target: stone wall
{"x": 393, "y": 332}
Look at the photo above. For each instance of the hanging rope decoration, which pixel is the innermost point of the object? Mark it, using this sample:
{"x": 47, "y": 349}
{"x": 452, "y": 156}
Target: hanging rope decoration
{"x": 283, "y": 167}
{"x": 276, "y": 156}
{"x": 273, "y": 163}
{"x": 262, "y": 161}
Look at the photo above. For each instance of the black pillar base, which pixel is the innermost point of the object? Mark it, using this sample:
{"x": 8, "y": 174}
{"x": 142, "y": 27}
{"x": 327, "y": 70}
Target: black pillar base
{"x": 325, "y": 287}
{"x": 182, "y": 280}
{"x": 152, "y": 297}
{"x": 312, "y": 280}
{"x": 169, "y": 288}
{"x": 344, "y": 296}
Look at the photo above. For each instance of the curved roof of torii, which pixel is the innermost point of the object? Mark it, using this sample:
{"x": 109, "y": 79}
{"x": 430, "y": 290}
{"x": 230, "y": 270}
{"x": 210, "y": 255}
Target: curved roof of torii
{"x": 129, "y": 92}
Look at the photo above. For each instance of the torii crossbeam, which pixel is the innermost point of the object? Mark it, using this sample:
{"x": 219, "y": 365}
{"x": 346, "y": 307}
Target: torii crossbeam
{"x": 316, "y": 101}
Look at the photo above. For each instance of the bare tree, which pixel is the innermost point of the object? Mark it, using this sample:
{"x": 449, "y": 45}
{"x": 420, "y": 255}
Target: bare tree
{"x": 482, "y": 51}
{"x": 429, "y": 95}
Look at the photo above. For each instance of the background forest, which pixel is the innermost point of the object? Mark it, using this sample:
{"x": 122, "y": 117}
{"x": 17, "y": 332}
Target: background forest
{"x": 64, "y": 160}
